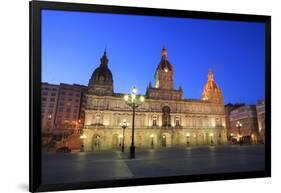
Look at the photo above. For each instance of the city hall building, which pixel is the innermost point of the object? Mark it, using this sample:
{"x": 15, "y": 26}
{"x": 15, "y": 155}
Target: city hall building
{"x": 165, "y": 119}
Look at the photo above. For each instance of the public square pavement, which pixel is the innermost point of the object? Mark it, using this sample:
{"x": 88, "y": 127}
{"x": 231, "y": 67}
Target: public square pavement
{"x": 108, "y": 165}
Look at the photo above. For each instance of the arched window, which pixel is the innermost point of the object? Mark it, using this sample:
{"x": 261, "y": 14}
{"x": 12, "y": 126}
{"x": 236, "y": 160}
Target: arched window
{"x": 218, "y": 121}
{"x": 166, "y": 117}
{"x": 118, "y": 120}
{"x": 154, "y": 121}
{"x": 177, "y": 121}
{"x": 97, "y": 118}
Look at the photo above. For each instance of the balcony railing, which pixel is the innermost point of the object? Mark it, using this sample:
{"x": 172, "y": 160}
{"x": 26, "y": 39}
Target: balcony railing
{"x": 92, "y": 126}
{"x": 96, "y": 126}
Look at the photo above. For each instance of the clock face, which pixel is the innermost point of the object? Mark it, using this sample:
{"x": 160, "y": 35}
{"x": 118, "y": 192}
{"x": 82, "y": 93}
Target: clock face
{"x": 166, "y": 69}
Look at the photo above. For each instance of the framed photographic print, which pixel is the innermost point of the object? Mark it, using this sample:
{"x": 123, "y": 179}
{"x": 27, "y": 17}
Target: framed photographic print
{"x": 125, "y": 96}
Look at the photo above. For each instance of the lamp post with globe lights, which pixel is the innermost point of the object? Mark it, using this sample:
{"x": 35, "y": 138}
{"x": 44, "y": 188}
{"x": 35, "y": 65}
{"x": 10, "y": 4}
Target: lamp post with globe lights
{"x": 239, "y": 126}
{"x": 49, "y": 121}
{"x": 124, "y": 125}
{"x": 77, "y": 125}
{"x": 47, "y": 133}
{"x": 152, "y": 141}
{"x": 134, "y": 102}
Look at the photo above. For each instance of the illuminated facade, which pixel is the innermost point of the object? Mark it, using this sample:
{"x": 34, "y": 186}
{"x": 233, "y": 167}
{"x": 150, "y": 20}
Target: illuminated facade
{"x": 165, "y": 119}
{"x": 261, "y": 120}
{"x": 69, "y": 108}
{"x": 49, "y": 99}
{"x": 228, "y": 108}
{"x": 247, "y": 116}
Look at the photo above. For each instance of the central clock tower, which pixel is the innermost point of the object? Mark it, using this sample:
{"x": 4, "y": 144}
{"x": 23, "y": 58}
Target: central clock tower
{"x": 164, "y": 81}
{"x": 164, "y": 75}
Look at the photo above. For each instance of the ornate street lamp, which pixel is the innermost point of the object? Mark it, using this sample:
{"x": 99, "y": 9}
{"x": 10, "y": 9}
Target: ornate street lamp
{"x": 49, "y": 121}
{"x": 238, "y": 126}
{"x": 211, "y": 136}
{"x": 134, "y": 102}
{"x": 77, "y": 126}
{"x": 152, "y": 141}
{"x": 124, "y": 126}
{"x": 47, "y": 133}
{"x": 187, "y": 139}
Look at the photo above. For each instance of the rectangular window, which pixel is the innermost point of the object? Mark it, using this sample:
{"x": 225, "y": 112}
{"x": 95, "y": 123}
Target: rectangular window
{"x": 154, "y": 122}
{"x": 177, "y": 122}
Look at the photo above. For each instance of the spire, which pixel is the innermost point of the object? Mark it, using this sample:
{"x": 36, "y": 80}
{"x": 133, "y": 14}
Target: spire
{"x": 210, "y": 75}
{"x": 149, "y": 85}
{"x": 164, "y": 52}
{"x": 180, "y": 88}
{"x": 104, "y": 60}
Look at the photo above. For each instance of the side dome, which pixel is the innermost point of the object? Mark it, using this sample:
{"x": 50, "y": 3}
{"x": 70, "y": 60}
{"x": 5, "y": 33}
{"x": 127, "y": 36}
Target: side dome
{"x": 211, "y": 91}
{"x": 102, "y": 74}
{"x": 101, "y": 81}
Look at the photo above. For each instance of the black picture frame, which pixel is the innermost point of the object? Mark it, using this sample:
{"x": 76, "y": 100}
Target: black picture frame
{"x": 35, "y": 184}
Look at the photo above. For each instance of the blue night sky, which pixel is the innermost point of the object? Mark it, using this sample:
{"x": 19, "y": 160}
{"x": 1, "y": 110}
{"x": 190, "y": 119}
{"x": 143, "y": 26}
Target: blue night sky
{"x": 73, "y": 43}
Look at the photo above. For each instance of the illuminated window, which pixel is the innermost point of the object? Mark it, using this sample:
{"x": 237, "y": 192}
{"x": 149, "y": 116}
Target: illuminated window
{"x": 97, "y": 118}
{"x": 154, "y": 121}
{"x": 177, "y": 122}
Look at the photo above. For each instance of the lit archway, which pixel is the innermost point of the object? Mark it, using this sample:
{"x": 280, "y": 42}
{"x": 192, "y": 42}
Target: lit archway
{"x": 96, "y": 143}
{"x": 164, "y": 140}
